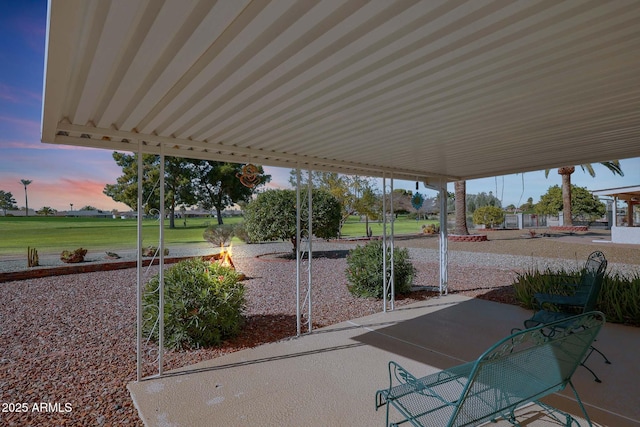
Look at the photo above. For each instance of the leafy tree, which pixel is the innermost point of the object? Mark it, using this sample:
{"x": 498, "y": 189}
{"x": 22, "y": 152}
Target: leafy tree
{"x": 178, "y": 186}
{"x": 567, "y": 171}
{"x": 177, "y": 183}
{"x": 355, "y": 194}
{"x": 216, "y": 184}
{"x": 401, "y": 201}
{"x": 272, "y": 216}
{"x": 475, "y": 201}
{"x": 488, "y": 215}
{"x": 368, "y": 204}
{"x": 46, "y": 211}
{"x": 584, "y": 205}
{"x": 7, "y": 201}
{"x": 528, "y": 207}
{"x": 88, "y": 208}
{"x": 125, "y": 190}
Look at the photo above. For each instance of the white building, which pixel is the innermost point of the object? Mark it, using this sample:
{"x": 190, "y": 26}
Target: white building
{"x": 624, "y": 228}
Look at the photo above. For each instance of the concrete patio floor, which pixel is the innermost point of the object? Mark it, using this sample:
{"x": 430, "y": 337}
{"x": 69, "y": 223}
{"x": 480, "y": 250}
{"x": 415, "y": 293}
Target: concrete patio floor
{"x": 329, "y": 377}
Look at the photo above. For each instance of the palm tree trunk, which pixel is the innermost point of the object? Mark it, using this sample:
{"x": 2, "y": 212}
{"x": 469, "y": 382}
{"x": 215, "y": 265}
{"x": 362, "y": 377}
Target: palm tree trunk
{"x": 566, "y": 172}
{"x": 26, "y": 201}
{"x": 461, "y": 208}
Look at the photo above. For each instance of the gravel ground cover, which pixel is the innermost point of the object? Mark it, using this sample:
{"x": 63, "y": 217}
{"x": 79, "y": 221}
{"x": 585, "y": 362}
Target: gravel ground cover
{"x": 69, "y": 341}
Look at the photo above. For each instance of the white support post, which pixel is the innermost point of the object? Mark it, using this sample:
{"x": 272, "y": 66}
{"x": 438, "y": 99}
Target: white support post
{"x": 298, "y": 241}
{"x": 384, "y": 243}
{"x": 161, "y": 273}
{"x": 310, "y": 239}
{"x": 392, "y": 278}
{"x": 139, "y": 270}
{"x": 444, "y": 255}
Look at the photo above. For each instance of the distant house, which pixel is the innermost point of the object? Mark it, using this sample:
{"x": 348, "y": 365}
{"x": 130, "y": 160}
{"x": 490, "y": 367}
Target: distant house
{"x": 625, "y": 228}
{"x": 18, "y": 212}
{"x": 86, "y": 214}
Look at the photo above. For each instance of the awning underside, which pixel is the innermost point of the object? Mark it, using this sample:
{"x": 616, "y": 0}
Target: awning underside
{"x": 423, "y": 89}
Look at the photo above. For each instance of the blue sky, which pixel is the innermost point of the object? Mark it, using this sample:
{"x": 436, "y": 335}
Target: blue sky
{"x": 63, "y": 175}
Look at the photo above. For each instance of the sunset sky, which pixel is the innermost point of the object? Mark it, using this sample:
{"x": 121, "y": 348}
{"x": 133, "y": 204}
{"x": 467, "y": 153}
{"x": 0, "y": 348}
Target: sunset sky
{"x": 63, "y": 175}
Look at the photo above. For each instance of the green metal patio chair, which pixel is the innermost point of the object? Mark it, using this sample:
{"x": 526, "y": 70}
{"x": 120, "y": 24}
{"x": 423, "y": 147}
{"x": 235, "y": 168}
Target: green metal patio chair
{"x": 570, "y": 299}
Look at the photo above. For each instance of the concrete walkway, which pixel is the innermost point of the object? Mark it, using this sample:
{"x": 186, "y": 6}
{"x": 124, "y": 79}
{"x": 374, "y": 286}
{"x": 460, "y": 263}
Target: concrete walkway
{"x": 329, "y": 377}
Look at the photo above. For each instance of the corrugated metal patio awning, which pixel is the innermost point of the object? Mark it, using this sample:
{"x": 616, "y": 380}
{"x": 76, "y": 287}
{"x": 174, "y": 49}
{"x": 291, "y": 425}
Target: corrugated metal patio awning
{"x": 423, "y": 89}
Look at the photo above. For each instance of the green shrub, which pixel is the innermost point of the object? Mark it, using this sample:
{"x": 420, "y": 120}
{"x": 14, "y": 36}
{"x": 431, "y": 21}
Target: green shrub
{"x": 364, "y": 270}
{"x": 489, "y": 216}
{"x": 272, "y": 216}
{"x": 619, "y": 297}
{"x": 240, "y": 231}
{"x": 218, "y": 235}
{"x": 203, "y": 304}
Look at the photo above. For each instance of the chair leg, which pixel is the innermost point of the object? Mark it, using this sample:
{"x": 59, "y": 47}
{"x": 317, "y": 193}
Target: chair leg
{"x": 591, "y": 350}
{"x": 595, "y": 377}
{"x": 607, "y": 361}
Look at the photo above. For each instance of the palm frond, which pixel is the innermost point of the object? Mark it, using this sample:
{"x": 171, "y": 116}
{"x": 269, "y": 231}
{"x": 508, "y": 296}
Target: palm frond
{"x": 589, "y": 169}
{"x": 613, "y": 166}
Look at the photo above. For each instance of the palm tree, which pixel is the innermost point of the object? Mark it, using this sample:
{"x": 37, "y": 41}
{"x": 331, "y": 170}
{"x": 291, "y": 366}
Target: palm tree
{"x": 26, "y": 182}
{"x": 461, "y": 208}
{"x": 46, "y": 211}
{"x": 566, "y": 171}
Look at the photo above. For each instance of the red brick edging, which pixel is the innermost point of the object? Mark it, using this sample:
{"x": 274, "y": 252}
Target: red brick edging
{"x": 468, "y": 238}
{"x": 37, "y": 273}
{"x": 570, "y": 228}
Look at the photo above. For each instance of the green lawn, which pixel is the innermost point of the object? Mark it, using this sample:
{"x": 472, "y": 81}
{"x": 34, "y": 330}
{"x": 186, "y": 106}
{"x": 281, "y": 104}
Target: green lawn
{"x": 402, "y": 225}
{"x": 55, "y": 234}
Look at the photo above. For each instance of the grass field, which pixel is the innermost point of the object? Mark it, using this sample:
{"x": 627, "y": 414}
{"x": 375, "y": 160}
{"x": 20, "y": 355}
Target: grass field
{"x": 55, "y": 234}
{"x": 354, "y": 228}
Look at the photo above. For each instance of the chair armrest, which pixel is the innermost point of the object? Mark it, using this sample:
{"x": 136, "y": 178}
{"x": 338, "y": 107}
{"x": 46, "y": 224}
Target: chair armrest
{"x": 559, "y": 300}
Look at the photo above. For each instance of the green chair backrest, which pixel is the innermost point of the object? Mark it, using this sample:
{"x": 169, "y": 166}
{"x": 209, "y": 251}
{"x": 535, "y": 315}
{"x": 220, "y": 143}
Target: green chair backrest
{"x": 591, "y": 280}
{"x": 524, "y": 367}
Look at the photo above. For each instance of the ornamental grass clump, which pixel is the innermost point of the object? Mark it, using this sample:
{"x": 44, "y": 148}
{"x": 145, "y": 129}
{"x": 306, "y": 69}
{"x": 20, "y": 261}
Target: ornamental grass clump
{"x": 218, "y": 235}
{"x": 534, "y": 281}
{"x": 364, "y": 270}
{"x": 619, "y": 297}
{"x": 204, "y": 302}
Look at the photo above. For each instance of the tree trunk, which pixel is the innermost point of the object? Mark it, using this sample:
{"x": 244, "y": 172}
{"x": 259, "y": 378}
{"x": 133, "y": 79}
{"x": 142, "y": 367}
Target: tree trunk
{"x": 172, "y": 214}
{"x": 219, "y": 215}
{"x": 461, "y": 208}
{"x": 566, "y": 172}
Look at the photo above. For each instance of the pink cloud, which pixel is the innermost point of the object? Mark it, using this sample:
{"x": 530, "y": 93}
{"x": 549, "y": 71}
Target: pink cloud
{"x": 29, "y": 127}
{"x": 60, "y": 193}
{"x": 32, "y": 31}
{"x": 17, "y": 95}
